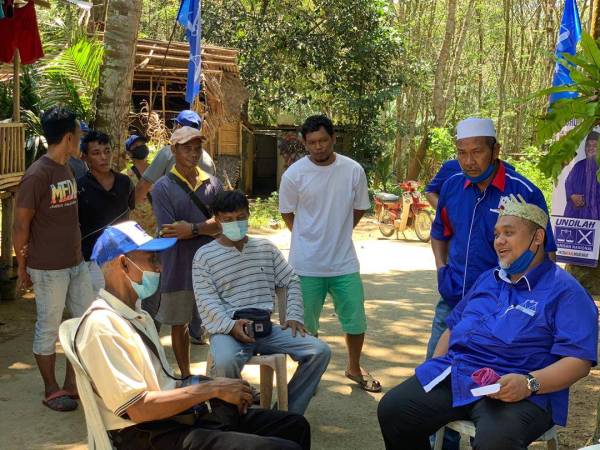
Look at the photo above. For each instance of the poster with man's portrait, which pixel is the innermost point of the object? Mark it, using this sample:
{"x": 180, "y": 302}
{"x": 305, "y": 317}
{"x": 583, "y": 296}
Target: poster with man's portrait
{"x": 576, "y": 206}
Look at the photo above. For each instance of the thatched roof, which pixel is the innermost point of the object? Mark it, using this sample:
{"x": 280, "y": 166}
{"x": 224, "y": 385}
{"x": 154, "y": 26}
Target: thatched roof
{"x": 156, "y": 68}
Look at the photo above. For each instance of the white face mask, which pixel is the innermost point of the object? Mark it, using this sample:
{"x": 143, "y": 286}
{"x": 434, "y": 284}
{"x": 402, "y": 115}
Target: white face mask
{"x": 149, "y": 284}
{"x": 235, "y": 231}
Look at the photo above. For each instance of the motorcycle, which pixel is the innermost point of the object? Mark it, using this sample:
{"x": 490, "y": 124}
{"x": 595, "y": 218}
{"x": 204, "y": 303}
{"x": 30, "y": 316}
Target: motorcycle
{"x": 410, "y": 211}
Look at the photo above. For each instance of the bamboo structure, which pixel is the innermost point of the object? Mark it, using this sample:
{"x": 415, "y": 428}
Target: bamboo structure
{"x": 12, "y": 164}
{"x": 160, "y": 78}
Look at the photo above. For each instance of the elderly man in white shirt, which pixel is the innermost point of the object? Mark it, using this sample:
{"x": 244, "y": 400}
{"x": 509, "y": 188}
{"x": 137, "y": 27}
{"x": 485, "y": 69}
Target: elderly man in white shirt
{"x": 142, "y": 403}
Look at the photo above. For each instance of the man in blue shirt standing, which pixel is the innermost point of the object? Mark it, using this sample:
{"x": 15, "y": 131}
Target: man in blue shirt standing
{"x": 528, "y": 322}
{"x": 449, "y": 168}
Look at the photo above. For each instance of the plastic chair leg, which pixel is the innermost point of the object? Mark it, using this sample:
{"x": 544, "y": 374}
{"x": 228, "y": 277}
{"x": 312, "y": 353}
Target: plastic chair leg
{"x": 266, "y": 386}
{"x": 282, "y": 388}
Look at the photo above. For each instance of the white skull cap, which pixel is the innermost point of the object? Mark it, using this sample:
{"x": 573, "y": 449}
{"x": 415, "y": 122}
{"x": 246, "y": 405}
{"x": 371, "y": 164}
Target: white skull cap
{"x": 475, "y": 127}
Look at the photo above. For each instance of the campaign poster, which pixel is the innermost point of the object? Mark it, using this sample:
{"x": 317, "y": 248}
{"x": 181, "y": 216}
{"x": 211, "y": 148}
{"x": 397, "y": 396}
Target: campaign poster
{"x": 576, "y": 206}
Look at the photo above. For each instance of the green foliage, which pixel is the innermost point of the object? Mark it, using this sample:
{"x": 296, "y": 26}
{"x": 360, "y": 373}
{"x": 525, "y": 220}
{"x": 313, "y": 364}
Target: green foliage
{"x": 441, "y": 144}
{"x": 265, "y": 212}
{"x": 584, "y": 69}
{"x": 529, "y": 166}
{"x": 383, "y": 171}
{"x": 71, "y": 78}
{"x": 339, "y": 57}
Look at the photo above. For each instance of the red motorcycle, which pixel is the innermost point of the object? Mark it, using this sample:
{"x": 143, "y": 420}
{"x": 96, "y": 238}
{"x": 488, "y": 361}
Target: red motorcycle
{"x": 396, "y": 214}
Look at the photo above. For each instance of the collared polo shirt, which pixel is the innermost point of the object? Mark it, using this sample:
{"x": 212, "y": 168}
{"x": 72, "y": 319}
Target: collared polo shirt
{"x": 517, "y": 328}
{"x": 99, "y": 208}
{"x": 121, "y": 367}
{"x": 466, "y": 217}
{"x": 171, "y": 204}
{"x": 201, "y": 177}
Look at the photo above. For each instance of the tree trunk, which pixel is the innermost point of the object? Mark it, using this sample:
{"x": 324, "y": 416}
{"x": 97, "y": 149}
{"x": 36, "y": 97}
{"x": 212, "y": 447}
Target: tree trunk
{"x": 502, "y": 80}
{"x": 116, "y": 74}
{"x": 595, "y": 19}
{"x": 458, "y": 53}
{"x": 439, "y": 85}
{"x": 416, "y": 163}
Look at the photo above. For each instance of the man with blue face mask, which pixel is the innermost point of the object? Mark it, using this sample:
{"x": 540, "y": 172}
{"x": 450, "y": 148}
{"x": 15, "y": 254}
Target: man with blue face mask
{"x": 234, "y": 278}
{"x": 462, "y": 234}
{"x": 528, "y": 324}
{"x": 181, "y": 201}
{"x": 143, "y": 405}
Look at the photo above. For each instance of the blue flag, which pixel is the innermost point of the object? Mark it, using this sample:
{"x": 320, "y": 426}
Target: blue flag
{"x": 568, "y": 37}
{"x": 189, "y": 17}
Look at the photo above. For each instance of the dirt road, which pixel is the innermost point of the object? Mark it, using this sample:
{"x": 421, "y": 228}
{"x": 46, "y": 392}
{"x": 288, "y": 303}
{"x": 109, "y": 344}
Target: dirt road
{"x": 400, "y": 288}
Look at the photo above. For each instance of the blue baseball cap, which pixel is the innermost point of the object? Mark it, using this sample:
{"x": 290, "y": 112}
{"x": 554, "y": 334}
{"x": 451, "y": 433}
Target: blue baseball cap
{"x": 188, "y": 118}
{"x": 132, "y": 140}
{"x": 84, "y": 127}
{"x": 126, "y": 237}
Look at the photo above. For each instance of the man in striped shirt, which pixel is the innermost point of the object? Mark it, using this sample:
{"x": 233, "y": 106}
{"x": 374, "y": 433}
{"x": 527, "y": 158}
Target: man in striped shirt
{"x": 236, "y": 272}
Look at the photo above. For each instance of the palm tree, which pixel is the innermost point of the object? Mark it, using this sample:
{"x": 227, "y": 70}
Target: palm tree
{"x": 116, "y": 74}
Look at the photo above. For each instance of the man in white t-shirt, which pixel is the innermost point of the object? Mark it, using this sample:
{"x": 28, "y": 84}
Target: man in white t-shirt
{"x": 322, "y": 197}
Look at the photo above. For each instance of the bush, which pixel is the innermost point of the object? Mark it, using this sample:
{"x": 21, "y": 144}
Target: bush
{"x": 265, "y": 212}
{"x": 528, "y": 166}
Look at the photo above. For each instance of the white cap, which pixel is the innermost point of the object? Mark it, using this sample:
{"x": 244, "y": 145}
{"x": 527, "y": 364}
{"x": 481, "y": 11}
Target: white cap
{"x": 474, "y": 127}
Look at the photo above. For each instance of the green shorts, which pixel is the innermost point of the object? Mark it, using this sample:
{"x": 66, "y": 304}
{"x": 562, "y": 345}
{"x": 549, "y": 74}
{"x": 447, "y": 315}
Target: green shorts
{"x": 348, "y": 300}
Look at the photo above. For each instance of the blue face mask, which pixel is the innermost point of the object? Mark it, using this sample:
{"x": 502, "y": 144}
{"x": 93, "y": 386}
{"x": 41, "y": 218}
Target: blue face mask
{"x": 484, "y": 176}
{"x": 235, "y": 231}
{"x": 149, "y": 284}
{"x": 521, "y": 264}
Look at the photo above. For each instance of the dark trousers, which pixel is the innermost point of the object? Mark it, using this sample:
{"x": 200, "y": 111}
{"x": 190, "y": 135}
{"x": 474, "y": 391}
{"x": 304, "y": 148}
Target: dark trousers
{"x": 259, "y": 429}
{"x": 408, "y": 416}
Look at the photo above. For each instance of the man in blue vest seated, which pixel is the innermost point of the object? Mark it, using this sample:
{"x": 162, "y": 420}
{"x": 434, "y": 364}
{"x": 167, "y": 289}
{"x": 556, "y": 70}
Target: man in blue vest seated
{"x": 532, "y": 328}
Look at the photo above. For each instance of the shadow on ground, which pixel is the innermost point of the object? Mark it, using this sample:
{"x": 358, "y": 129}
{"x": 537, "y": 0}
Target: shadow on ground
{"x": 343, "y": 417}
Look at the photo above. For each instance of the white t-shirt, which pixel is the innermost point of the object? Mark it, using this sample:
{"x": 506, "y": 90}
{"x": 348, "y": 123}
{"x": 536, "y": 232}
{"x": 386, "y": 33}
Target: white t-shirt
{"x": 323, "y": 199}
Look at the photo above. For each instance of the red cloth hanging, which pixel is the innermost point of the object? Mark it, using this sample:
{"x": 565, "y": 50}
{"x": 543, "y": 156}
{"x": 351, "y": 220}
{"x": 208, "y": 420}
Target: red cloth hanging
{"x": 21, "y": 32}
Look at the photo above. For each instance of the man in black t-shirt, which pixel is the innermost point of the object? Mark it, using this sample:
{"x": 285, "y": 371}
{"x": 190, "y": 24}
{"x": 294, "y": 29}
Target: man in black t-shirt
{"x": 105, "y": 198}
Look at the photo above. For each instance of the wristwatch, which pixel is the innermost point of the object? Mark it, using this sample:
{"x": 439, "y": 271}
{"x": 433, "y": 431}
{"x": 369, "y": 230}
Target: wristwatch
{"x": 194, "y": 229}
{"x": 532, "y": 384}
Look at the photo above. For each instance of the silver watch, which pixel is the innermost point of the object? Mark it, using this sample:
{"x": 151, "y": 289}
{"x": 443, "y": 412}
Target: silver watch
{"x": 532, "y": 383}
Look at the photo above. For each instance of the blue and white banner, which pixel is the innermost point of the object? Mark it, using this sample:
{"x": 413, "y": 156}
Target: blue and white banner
{"x": 189, "y": 17}
{"x": 568, "y": 38}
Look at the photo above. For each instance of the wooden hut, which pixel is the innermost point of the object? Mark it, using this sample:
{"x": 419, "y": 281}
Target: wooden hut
{"x": 159, "y": 82}
{"x": 12, "y": 168}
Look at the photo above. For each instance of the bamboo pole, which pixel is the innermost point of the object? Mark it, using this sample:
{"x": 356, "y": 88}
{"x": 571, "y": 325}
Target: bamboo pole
{"x": 8, "y": 203}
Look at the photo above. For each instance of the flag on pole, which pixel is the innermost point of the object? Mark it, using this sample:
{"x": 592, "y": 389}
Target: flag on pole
{"x": 568, "y": 37}
{"x": 189, "y": 17}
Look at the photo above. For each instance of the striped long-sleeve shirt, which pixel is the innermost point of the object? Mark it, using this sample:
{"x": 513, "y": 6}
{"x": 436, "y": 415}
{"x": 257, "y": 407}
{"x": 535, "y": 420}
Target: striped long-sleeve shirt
{"x": 226, "y": 280}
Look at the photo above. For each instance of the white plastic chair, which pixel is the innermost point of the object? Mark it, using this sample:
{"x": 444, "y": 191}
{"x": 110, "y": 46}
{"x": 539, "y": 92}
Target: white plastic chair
{"x": 97, "y": 436}
{"x": 467, "y": 428}
{"x": 276, "y": 362}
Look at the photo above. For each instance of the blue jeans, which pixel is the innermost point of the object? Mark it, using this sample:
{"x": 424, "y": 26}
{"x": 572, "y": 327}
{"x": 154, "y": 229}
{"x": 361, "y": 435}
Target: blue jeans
{"x": 311, "y": 354}
{"x": 55, "y": 289}
{"x": 438, "y": 326}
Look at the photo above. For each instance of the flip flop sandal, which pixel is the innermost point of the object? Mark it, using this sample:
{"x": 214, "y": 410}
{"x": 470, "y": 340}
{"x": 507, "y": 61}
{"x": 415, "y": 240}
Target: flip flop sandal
{"x": 365, "y": 381}
{"x": 60, "y": 401}
{"x": 73, "y": 396}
